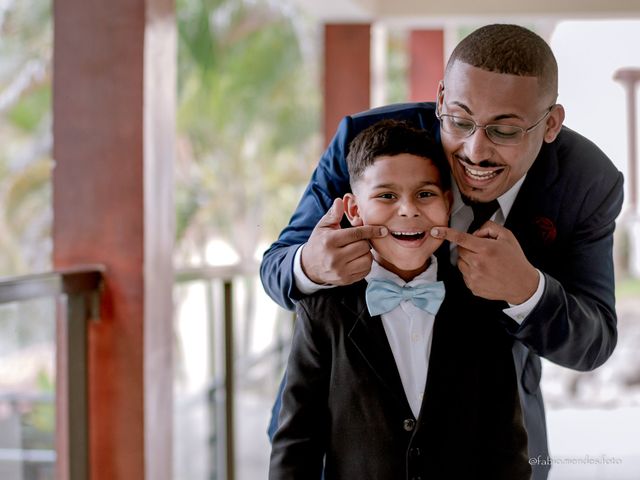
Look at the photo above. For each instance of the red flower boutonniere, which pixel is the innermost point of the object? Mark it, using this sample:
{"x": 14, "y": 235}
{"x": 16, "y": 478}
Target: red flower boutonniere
{"x": 546, "y": 229}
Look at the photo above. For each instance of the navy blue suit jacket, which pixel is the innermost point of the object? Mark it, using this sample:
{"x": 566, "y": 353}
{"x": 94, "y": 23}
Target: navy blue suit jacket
{"x": 563, "y": 218}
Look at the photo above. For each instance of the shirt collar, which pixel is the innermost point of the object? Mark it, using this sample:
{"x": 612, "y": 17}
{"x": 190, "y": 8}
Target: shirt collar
{"x": 506, "y": 200}
{"x": 430, "y": 275}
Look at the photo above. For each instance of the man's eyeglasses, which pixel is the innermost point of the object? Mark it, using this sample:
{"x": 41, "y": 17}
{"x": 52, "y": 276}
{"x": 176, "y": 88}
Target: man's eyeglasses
{"x": 499, "y": 134}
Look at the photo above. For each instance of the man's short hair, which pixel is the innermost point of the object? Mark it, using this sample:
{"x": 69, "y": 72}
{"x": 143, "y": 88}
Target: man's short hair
{"x": 394, "y": 137}
{"x": 509, "y": 49}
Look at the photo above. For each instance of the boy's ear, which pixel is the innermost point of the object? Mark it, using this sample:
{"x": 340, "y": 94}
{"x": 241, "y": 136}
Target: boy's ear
{"x": 351, "y": 210}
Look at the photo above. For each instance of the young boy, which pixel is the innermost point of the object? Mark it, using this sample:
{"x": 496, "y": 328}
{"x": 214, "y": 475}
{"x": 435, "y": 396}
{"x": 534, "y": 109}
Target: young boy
{"x": 390, "y": 378}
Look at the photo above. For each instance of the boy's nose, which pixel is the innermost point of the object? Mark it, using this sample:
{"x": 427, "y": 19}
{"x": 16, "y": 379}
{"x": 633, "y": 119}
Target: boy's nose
{"x": 408, "y": 208}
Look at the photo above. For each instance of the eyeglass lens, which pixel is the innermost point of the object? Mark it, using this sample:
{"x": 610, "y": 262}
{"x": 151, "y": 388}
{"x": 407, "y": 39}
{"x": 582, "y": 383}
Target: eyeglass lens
{"x": 508, "y": 134}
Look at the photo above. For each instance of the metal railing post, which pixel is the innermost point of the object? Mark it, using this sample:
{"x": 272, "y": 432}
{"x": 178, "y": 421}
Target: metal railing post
{"x": 229, "y": 379}
{"x": 77, "y": 381}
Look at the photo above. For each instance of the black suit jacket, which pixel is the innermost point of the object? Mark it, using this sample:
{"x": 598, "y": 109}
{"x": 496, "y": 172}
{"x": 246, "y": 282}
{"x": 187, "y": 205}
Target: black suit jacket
{"x": 563, "y": 218}
{"x": 344, "y": 397}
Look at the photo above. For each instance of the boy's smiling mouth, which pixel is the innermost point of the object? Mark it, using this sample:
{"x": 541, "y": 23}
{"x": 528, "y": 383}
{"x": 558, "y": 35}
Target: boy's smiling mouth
{"x": 408, "y": 236}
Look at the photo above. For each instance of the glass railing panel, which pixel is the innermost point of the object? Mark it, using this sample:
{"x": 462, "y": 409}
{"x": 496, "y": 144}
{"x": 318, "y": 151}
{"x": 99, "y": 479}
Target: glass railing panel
{"x": 192, "y": 366}
{"x": 263, "y": 337}
{"x": 27, "y": 390}
{"x": 261, "y": 333}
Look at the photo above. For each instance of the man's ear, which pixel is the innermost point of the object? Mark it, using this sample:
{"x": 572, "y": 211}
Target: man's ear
{"x": 554, "y": 123}
{"x": 351, "y": 210}
{"x": 440, "y": 96}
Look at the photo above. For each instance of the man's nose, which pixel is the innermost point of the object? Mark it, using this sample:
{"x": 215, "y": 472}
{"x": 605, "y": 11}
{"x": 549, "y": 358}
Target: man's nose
{"x": 478, "y": 147}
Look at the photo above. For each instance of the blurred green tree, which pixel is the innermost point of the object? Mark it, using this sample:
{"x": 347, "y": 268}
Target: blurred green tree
{"x": 248, "y": 117}
{"x": 248, "y": 121}
{"x": 25, "y": 129}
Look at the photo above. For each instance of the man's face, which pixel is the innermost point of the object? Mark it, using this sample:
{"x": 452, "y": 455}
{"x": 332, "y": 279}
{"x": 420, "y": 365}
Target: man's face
{"x": 403, "y": 193}
{"x": 482, "y": 169}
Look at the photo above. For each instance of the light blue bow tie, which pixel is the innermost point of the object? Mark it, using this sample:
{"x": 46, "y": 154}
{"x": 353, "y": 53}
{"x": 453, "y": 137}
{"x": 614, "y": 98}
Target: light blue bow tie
{"x": 384, "y": 295}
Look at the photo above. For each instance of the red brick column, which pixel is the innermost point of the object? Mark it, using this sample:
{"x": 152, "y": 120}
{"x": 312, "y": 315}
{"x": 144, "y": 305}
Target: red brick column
{"x": 347, "y": 72}
{"x": 426, "y": 64}
{"x": 113, "y": 107}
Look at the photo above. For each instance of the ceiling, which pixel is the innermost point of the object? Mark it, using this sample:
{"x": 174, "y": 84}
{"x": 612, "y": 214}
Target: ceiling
{"x": 430, "y": 11}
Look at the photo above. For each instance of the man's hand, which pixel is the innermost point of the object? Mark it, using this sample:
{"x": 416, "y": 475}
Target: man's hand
{"x": 337, "y": 256}
{"x": 492, "y": 263}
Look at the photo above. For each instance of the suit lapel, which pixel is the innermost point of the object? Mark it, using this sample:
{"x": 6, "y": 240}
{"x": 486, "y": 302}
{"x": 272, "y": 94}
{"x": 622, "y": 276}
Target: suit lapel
{"x": 533, "y": 215}
{"x": 370, "y": 340}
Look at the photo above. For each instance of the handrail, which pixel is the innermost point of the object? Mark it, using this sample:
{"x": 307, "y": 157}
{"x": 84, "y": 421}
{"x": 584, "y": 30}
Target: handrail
{"x": 216, "y": 272}
{"x": 70, "y": 281}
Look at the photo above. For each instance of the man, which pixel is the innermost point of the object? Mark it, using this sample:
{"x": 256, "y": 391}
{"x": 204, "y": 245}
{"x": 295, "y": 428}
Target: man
{"x": 544, "y": 264}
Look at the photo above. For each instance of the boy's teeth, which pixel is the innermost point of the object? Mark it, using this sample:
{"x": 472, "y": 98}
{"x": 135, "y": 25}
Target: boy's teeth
{"x": 409, "y": 236}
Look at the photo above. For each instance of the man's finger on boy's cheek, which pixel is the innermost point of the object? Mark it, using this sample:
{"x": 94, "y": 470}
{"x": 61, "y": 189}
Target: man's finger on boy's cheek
{"x": 455, "y": 236}
{"x": 366, "y": 232}
{"x": 437, "y": 232}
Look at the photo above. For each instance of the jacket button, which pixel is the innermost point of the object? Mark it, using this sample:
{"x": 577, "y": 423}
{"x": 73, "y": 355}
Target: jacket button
{"x": 414, "y": 452}
{"x": 409, "y": 424}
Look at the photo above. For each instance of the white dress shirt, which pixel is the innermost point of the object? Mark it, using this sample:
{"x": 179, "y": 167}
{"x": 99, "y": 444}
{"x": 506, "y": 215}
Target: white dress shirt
{"x": 409, "y": 332}
{"x": 461, "y": 218}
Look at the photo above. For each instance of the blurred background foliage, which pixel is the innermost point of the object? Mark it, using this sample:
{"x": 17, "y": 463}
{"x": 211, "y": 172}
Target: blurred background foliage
{"x": 397, "y": 65}
{"x": 248, "y": 126}
{"x": 25, "y": 135}
{"x": 248, "y": 122}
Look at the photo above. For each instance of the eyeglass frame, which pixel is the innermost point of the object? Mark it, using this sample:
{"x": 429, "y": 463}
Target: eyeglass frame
{"x": 484, "y": 127}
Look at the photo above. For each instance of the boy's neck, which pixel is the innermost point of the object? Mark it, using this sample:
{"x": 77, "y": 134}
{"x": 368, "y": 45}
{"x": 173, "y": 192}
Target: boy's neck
{"x": 406, "y": 275}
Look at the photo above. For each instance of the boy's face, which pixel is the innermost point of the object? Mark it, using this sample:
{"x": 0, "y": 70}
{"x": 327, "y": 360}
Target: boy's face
{"x": 403, "y": 193}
